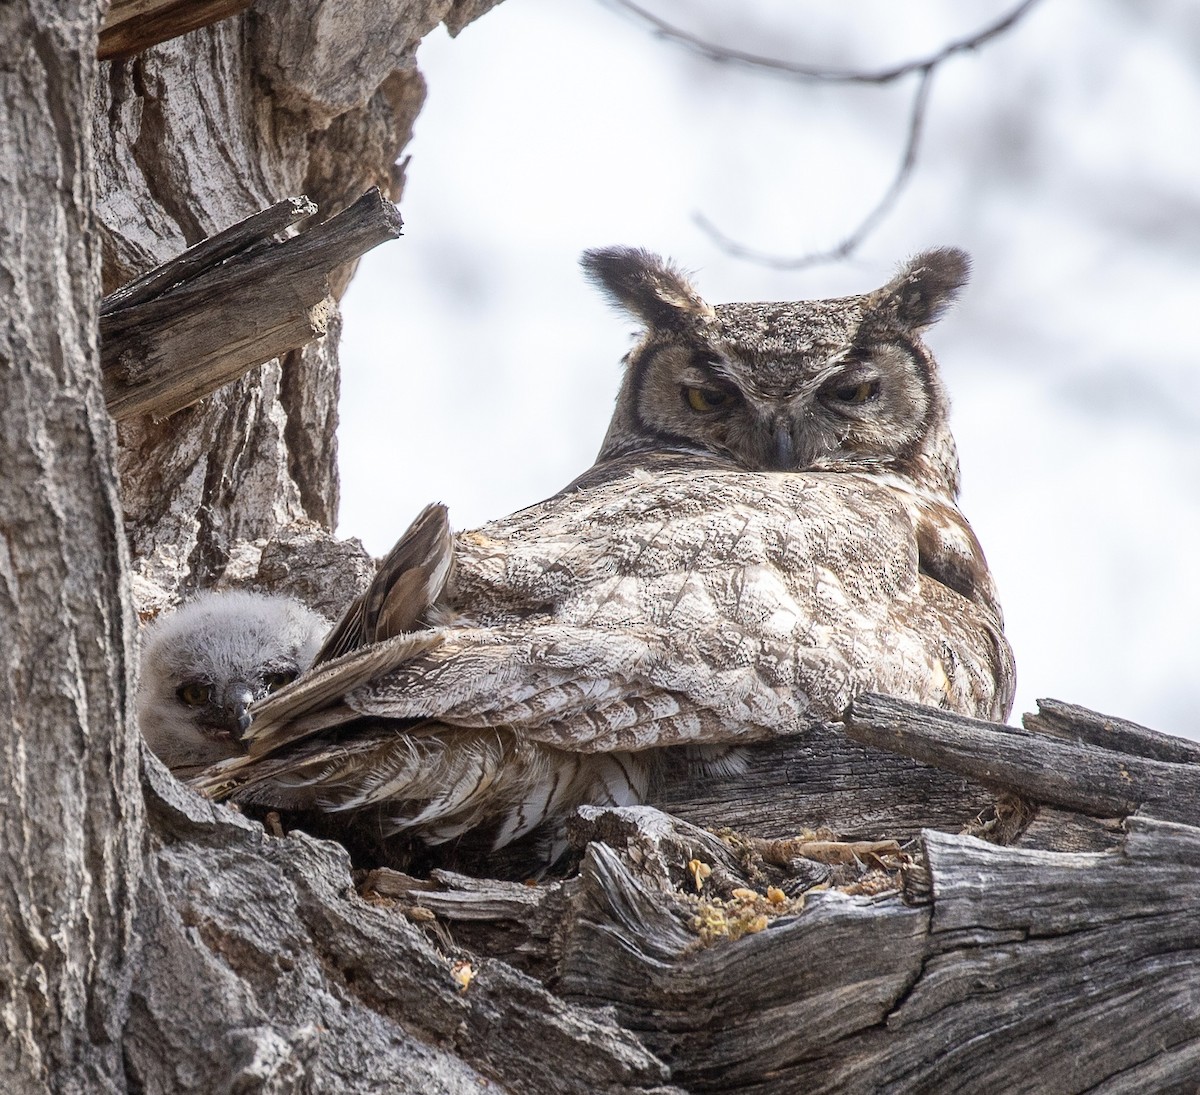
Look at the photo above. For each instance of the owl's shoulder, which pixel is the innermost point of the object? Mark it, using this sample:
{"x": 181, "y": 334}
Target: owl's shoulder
{"x": 665, "y": 516}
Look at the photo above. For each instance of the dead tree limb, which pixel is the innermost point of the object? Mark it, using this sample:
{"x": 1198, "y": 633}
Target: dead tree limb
{"x": 823, "y": 779}
{"x": 1082, "y": 775}
{"x": 982, "y": 968}
{"x": 1075, "y": 723}
{"x": 209, "y": 253}
{"x": 131, "y": 26}
{"x": 230, "y": 303}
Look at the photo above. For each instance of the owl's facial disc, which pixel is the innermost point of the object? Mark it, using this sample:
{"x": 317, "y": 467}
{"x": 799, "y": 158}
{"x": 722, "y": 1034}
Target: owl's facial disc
{"x": 784, "y": 414}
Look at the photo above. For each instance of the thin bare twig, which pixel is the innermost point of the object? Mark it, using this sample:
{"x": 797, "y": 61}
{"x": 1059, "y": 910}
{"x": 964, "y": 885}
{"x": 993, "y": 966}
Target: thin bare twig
{"x": 847, "y": 247}
{"x": 797, "y": 71}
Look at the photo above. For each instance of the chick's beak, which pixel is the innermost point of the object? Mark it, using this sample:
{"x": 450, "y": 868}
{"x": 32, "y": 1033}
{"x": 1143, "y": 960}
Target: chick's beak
{"x": 235, "y": 711}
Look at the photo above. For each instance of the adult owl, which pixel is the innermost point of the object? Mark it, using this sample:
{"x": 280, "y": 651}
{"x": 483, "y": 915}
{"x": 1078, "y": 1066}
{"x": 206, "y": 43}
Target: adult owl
{"x": 769, "y": 530}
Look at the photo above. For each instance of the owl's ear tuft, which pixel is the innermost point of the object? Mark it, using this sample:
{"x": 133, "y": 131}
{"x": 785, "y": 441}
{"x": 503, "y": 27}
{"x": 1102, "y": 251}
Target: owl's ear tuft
{"x": 648, "y": 286}
{"x": 926, "y": 286}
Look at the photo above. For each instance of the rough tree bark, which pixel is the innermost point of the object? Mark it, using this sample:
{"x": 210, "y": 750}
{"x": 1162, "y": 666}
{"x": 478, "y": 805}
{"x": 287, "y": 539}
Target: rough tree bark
{"x": 70, "y": 809}
{"x": 153, "y": 942}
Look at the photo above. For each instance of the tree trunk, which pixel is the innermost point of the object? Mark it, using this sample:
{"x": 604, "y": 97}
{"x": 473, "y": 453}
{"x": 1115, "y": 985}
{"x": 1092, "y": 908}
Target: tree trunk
{"x": 70, "y": 810}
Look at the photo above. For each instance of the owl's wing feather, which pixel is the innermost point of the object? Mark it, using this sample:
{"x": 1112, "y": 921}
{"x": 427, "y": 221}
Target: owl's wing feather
{"x": 287, "y": 715}
{"x": 442, "y": 784}
{"x": 763, "y": 603}
{"x": 408, "y": 582}
{"x": 591, "y": 689}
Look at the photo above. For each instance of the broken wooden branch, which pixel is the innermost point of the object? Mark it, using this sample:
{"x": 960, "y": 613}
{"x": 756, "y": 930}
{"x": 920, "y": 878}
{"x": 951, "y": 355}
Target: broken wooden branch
{"x": 230, "y": 303}
{"x": 1075, "y": 723}
{"x": 208, "y": 253}
{"x": 1065, "y": 768}
{"x": 822, "y": 779}
{"x": 975, "y": 967}
{"x": 130, "y": 26}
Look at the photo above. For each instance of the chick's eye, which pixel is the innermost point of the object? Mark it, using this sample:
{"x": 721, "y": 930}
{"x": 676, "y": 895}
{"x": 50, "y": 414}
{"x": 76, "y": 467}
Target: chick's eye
{"x": 194, "y": 693}
{"x": 862, "y": 392}
{"x": 275, "y": 681}
{"x": 704, "y": 400}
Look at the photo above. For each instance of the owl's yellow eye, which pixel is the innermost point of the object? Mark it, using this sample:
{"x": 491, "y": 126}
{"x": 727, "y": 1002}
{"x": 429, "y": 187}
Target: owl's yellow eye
{"x": 705, "y": 400}
{"x": 275, "y": 681}
{"x": 194, "y": 693}
{"x": 857, "y": 393}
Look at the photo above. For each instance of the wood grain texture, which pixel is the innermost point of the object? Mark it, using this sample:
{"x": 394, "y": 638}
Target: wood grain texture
{"x": 825, "y": 779}
{"x": 131, "y": 26}
{"x": 228, "y": 304}
{"x": 208, "y": 254}
{"x": 1062, "y": 770}
{"x": 1021, "y": 959}
{"x": 1075, "y": 723}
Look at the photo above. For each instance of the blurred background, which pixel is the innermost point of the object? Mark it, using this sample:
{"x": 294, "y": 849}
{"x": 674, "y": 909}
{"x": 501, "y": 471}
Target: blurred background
{"x": 479, "y": 368}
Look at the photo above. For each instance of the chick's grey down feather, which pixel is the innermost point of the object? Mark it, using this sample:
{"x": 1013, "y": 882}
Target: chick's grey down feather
{"x": 205, "y": 664}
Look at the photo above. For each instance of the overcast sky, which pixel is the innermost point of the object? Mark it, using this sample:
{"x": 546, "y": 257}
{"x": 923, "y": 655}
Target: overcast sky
{"x": 480, "y": 369}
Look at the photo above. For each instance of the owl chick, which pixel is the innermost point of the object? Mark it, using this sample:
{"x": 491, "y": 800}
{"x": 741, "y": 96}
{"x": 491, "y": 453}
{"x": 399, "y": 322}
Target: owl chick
{"x": 203, "y": 665}
{"x": 770, "y": 529}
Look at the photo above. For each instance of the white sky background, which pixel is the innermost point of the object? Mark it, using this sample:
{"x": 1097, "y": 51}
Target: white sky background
{"x": 480, "y": 369}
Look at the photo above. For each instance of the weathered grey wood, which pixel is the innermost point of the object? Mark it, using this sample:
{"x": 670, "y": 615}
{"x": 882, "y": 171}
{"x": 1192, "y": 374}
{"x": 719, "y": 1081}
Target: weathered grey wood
{"x": 1103, "y": 957}
{"x": 209, "y": 253}
{"x": 344, "y": 995}
{"x": 518, "y": 923}
{"x": 1029, "y": 971}
{"x": 1014, "y": 969}
{"x": 131, "y": 26}
{"x": 524, "y": 923}
{"x": 220, "y": 314}
{"x": 660, "y": 844}
{"x": 1075, "y": 723}
{"x": 1057, "y": 830}
{"x": 825, "y": 779}
{"x": 739, "y": 1010}
{"x": 1093, "y": 780}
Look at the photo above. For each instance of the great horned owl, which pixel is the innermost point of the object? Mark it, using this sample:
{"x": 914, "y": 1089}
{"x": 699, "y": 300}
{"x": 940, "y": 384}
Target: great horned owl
{"x": 203, "y": 665}
{"x": 770, "y": 529}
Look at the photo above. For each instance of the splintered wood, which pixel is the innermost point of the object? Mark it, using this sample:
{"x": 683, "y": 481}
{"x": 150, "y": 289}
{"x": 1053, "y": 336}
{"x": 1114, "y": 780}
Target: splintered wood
{"x": 808, "y": 963}
{"x": 229, "y": 303}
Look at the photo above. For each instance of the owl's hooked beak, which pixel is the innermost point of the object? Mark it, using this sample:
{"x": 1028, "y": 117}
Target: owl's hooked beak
{"x": 785, "y": 448}
{"x": 235, "y": 711}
